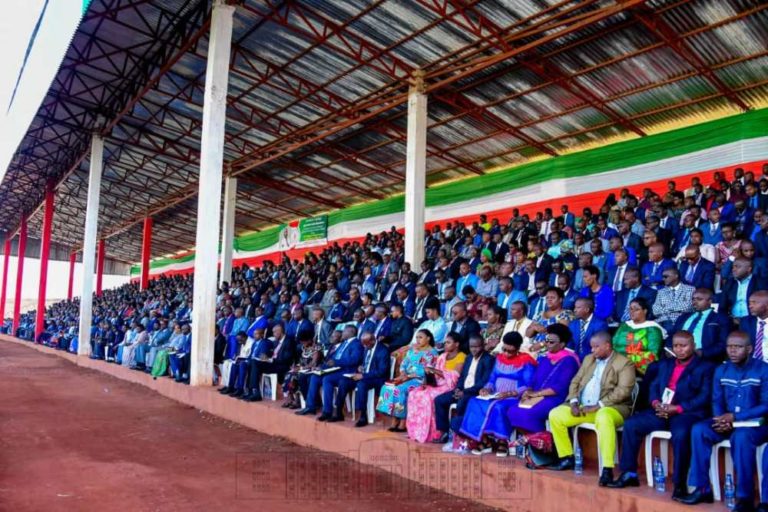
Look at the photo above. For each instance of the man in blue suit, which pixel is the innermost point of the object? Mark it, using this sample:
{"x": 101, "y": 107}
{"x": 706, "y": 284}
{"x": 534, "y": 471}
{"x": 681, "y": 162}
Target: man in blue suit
{"x": 383, "y": 323}
{"x": 677, "y": 412}
{"x": 696, "y": 271}
{"x": 756, "y": 324}
{"x": 584, "y": 326}
{"x": 655, "y": 267}
{"x": 633, "y": 288}
{"x": 370, "y": 375}
{"x": 531, "y": 273}
{"x": 709, "y": 329}
{"x": 474, "y": 376}
{"x": 508, "y": 295}
{"x": 736, "y": 291}
{"x": 347, "y": 355}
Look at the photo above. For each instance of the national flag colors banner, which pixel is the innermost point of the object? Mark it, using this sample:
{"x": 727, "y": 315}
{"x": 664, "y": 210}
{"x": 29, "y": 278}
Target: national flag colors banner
{"x": 578, "y": 179}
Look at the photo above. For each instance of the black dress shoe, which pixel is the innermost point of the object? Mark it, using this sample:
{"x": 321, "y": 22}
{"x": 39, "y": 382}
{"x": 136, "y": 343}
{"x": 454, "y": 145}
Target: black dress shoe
{"x": 762, "y": 507}
{"x": 564, "y": 464}
{"x": 335, "y": 419}
{"x": 606, "y": 477}
{"x": 305, "y": 412}
{"x": 680, "y": 491}
{"x": 238, "y": 393}
{"x": 361, "y": 423}
{"x": 744, "y": 506}
{"x": 324, "y": 417}
{"x": 696, "y": 497}
{"x": 225, "y": 390}
{"x": 624, "y": 480}
{"x": 442, "y": 439}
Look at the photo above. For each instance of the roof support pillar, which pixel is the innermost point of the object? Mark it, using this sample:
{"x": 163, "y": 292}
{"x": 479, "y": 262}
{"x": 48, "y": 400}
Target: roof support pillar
{"x": 415, "y": 172}
{"x": 101, "y": 252}
{"x": 19, "y": 275}
{"x": 89, "y": 244}
{"x": 228, "y": 229}
{"x": 146, "y": 249}
{"x": 45, "y": 248}
{"x": 6, "y": 261}
{"x": 209, "y": 195}
{"x": 71, "y": 282}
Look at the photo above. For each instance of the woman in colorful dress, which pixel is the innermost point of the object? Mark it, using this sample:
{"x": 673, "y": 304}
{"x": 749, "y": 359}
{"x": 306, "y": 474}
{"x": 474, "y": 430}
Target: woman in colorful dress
{"x": 496, "y": 318}
{"x": 485, "y": 419}
{"x": 297, "y": 378}
{"x": 421, "y": 401}
{"x": 393, "y": 400}
{"x": 554, "y": 313}
{"x": 638, "y": 338}
{"x": 549, "y": 386}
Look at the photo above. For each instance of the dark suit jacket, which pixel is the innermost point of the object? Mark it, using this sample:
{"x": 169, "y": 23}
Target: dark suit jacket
{"x": 731, "y": 288}
{"x": 400, "y": 333}
{"x": 694, "y": 388}
{"x": 713, "y": 335}
{"x": 748, "y": 324}
{"x": 703, "y": 276}
{"x": 634, "y": 242}
{"x": 522, "y": 282}
{"x": 482, "y": 373}
{"x": 286, "y": 356}
{"x": 469, "y": 328}
{"x": 595, "y": 325}
{"x": 379, "y": 370}
{"x": 621, "y": 298}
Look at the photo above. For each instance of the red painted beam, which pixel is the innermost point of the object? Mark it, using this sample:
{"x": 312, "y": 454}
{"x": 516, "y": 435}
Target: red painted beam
{"x": 71, "y": 284}
{"x": 45, "y": 249}
{"x": 101, "y": 251}
{"x": 19, "y": 275}
{"x": 6, "y": 261}
{"x": 146, "y": 248}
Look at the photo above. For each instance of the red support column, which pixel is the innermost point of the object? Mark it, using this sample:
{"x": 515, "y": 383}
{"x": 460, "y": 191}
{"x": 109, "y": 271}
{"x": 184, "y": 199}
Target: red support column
{"x": 6, "y": 261}
{"x": 70, "y": 286}
{"x": 100, "y": 252}
{"x": 45, "y": 249}
{"x": 146, "y": 247}
{"x": 19, "y": 275}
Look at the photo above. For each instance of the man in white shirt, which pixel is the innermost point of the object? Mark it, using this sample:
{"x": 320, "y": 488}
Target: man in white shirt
{"x": 518, "y": 322}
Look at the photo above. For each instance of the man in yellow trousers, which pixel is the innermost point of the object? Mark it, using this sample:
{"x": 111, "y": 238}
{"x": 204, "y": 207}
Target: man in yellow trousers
{"x": 600, "y": 393}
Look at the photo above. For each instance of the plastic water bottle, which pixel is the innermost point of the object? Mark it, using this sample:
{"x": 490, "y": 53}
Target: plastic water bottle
{"x": 730, "y": 492}
{"x": 659, "y": 480}
{"x": 519, "y": 448}
{"x": 578, "y": 461}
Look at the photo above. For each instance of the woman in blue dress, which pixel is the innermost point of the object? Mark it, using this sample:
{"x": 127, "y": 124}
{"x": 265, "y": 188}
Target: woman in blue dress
{"x": 394, "y": 395}
{"x": 485, "y": 418}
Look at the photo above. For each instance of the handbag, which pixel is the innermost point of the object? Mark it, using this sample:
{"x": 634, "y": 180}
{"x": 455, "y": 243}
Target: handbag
{"x": 539, "y": 449}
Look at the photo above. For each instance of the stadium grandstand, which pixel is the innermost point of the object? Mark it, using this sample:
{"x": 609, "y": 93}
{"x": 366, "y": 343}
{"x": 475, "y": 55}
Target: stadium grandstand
{"x": 494, "y": 236}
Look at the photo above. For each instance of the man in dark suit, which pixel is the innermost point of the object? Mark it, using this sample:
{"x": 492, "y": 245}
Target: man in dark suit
{"x": 756, "y": 324}
{"x": 584, "y": 326}
{"x": 736, "y": 291}
{"x": 761, "y": 240}
{"x": 474, "y": 375}
{"x": 709, "y": 329}
{"x": 526, "y": 281}
{"x": 615, "y": 278}
{"x": 696, "y": 271}
{"x": 633, "y": 288}
{"x": 401, "y": 328}
{"x": 463, "y": 325}
{"x": 321, "y": 326}
{"x": 677, "y": 412}
{"x": 501, "y": 250}
{"x": 370, "y": 375}
{"x": 279, "y": 362}
{"x": 424, "y": 299}
{"x": 628, "y": 238}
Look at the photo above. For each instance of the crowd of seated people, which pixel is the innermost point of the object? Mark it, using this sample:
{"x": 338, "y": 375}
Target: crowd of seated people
{"x": 644, "y": 312}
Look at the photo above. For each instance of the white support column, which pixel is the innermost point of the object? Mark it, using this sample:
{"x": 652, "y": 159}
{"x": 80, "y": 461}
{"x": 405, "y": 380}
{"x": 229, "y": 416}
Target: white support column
{"x": 228, "y": 229}
{"x": 89, "y": 245}
{"x": 415, "y": 172}
{"x": 209, "y": 194}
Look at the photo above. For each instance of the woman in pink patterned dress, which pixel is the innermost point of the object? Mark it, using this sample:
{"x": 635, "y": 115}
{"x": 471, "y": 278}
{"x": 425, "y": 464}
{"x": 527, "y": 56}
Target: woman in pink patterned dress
{"x": 420, "y": 422}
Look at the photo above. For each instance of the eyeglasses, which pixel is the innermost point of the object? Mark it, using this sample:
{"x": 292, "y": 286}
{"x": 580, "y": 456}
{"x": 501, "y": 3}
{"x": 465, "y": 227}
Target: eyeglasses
{"x": 551, "y": 341}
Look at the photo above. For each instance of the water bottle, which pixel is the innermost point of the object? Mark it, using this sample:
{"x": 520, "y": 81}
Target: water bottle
{"x": 519, "y": 448}
{"x": 659, "y": 479}
{"x": 578, "y": 461}
{"x": 730, "y": 492}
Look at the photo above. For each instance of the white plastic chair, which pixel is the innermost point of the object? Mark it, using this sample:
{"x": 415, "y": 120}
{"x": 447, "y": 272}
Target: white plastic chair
{"x": 371, "y": 411}
{"x": 714, "y": 467}
{"x": 663, "y": 436}
{"x": 591, "y": 427}
{"x": 392, "y": 363}
{"x": 760, "y": 450}
{"x": 272, "y": 378}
